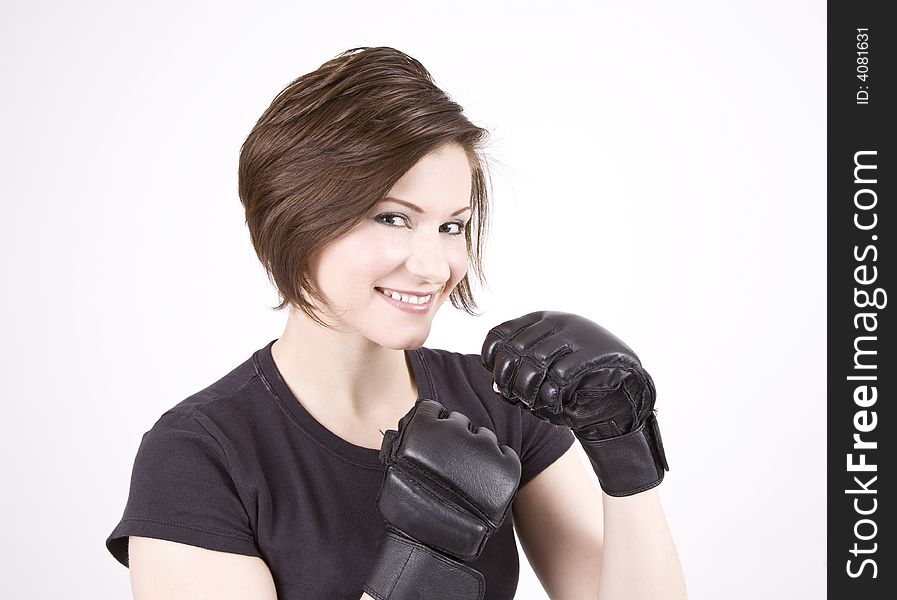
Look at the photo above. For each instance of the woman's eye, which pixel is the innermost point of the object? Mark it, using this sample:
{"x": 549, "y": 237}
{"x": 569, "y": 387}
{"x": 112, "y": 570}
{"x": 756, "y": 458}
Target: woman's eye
{"x": 458, "y": 227}
{"x": 391, "y": 218}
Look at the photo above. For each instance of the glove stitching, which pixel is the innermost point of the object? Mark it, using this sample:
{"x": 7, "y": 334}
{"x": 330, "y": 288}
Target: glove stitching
{"x": 402, "y": 570}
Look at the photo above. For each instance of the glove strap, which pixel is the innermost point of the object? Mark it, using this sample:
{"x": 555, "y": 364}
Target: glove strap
{"x": 630, "y": 463}
{"x": 405, "y": 569}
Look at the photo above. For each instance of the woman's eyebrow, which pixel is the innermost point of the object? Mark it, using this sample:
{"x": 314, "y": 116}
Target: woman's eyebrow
{"x": 417, "y": 208}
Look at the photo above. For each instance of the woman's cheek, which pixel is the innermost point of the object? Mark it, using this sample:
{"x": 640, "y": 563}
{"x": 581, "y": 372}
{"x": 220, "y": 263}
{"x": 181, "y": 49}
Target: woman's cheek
{"x": 459, "y": 265}
{"x": 379, "y": 244}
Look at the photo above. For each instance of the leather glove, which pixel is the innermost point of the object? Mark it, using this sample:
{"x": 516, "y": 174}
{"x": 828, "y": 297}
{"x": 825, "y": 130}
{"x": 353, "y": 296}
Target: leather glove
{"x": 567, "y": 370}
{"x": 447, "y": 487}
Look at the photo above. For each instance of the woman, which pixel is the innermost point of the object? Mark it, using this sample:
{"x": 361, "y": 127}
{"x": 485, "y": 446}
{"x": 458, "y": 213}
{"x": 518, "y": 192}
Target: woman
{"x": 365, "y": 197}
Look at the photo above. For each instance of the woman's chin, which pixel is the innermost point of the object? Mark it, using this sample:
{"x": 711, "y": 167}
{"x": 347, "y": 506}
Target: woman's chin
{"x": 404, "y": 342}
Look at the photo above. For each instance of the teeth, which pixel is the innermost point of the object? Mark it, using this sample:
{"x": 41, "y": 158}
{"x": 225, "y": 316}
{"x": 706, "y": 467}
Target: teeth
{"x": 406, "y": 297}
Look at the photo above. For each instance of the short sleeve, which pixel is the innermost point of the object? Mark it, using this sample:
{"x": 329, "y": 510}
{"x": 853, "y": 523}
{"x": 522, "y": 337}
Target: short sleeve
{"x": 181, "y": 490}
{"x": 542, "y": 443}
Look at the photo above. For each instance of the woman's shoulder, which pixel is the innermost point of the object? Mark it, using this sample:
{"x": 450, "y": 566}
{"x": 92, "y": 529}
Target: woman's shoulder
{"x": 235, "y": 397}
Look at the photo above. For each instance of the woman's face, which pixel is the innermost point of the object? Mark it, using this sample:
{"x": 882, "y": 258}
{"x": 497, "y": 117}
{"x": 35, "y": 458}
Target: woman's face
{"x": 386, "y": 278}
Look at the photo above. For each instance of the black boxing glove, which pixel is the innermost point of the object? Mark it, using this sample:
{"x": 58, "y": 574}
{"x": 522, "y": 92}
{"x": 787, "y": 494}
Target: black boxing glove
{"x": 567, "y": 370}
{"x": 447, "y": 487}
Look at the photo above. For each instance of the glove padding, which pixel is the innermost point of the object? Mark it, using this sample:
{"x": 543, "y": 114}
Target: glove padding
{"x": 570, "y": 371}
{"x": 448, "y": 486}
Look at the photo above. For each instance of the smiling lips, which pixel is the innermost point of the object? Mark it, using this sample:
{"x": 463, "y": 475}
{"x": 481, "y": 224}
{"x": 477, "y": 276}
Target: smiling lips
{"x": 407, "y": 302}
{"x": 406, "y": 297}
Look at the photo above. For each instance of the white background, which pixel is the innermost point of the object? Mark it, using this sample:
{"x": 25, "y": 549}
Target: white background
{"x": 658, "y": 167}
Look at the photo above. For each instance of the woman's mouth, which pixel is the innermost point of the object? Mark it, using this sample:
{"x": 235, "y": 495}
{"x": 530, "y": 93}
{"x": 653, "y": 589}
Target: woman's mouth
{"x": 408, "y": 302}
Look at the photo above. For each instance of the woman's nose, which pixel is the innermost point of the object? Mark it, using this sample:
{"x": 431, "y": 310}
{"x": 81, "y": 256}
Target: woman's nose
{"x": 428, "y": 259}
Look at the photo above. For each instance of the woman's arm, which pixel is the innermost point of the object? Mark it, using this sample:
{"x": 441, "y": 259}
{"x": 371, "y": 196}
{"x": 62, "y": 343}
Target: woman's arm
{"x": 583, "y": 544}
{"x": 558, "y": 518}
{"x": 164, "y": 570}
{"x": 640, "y": 560}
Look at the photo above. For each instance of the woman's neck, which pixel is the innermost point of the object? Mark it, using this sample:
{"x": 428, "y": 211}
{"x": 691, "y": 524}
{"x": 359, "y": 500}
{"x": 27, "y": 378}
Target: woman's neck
{"x": 342, "y": 373}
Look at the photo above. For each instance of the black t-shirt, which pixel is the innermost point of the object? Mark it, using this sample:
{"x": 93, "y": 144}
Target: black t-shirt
{"x": 242, "y": 467}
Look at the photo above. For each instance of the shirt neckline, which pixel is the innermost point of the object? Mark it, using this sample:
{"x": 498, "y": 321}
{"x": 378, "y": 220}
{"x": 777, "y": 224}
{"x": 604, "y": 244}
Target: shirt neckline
{"x": 369, "y": 457}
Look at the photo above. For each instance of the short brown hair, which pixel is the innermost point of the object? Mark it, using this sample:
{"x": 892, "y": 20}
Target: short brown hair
{"x": 330, "y": 147}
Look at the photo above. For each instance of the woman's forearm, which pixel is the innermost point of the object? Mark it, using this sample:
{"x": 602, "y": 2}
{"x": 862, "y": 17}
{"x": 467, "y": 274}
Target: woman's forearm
{"x": 639, "y": 559}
